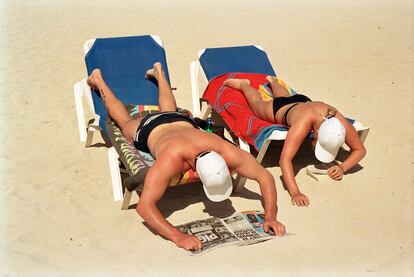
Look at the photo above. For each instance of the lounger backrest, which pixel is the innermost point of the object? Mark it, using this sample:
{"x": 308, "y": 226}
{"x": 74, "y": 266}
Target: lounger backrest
{"x": 124, "y": 61}
{"x": 247, "y": 59}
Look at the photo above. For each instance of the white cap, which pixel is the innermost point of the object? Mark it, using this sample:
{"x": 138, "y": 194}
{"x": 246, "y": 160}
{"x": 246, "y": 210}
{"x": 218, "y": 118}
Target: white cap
{"x": 214, "y": 174}
{"x": 331, "y": 136}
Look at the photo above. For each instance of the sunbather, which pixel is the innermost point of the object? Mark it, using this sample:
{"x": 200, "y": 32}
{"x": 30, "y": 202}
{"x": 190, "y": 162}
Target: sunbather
{"x": 177, "y": 146}
{"x": 302, "y": 116}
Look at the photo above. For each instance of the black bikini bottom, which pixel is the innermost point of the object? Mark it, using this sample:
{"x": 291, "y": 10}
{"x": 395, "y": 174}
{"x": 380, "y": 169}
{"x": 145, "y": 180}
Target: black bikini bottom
{"x": 151, "y": 121}
{"x": 280, "y": 102}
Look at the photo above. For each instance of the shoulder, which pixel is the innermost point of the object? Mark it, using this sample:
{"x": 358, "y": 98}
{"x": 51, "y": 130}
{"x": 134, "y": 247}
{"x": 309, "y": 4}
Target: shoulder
{"x": 344, "y": 121}
{"x": 169, "y": 163}
{"x": 230, "y": 152}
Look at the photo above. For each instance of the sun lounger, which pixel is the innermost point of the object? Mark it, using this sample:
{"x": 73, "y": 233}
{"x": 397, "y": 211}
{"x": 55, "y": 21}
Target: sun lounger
{"x": 124, "y": 62}
{"x": 213, "y": 66}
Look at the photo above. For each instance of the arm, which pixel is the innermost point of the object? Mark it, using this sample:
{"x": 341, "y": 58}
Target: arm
{"x": 358, "y": 150}
{"x": 244, "y": 164}
{"x": 294, "y": 139}
{"x": 156, "y": 182}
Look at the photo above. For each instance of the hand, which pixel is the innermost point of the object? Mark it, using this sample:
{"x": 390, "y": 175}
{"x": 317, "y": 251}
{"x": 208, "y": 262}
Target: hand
{"x": 300, "y": 200}
{"x": 277, "y": 227}
{"x": 335, "y": 172}
{"x": 188, "y": 242}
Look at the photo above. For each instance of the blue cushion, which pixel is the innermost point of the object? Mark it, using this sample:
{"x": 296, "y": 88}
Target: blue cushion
{"x": 124, "y": 61}
{"x": 248, "y": 59}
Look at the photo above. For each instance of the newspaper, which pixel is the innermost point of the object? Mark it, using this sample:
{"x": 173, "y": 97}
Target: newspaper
{"x": 238, "y": 229}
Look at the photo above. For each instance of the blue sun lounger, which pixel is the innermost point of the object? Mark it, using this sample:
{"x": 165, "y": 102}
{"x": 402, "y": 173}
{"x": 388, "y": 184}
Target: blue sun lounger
{"x": 213, "y": 62}
{"x": 124, "y": 62}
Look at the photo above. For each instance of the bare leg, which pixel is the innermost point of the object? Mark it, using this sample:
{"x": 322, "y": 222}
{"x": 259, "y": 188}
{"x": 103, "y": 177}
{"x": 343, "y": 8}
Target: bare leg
{"x": 277, "y": 89}
{"x": 260, "y": 108}
{"x": 166, "y": 99}
{"x": 116, "y": 108}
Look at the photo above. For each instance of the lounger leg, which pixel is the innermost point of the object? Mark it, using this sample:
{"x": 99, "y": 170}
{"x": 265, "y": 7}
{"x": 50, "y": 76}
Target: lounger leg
{"x": 363, "y": 134}
{"x": 89, "y": 137}
{"x": 115, "y": 174}
{"x": 127, "y": 200}
{"x": 263, "y": 151}
{"x": 92, "y": 128}
{"x": 207, "y": 112}
{"x": 240, "y": 182}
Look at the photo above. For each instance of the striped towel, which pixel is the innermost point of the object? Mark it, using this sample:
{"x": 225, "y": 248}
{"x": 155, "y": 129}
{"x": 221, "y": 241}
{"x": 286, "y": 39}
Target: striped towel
{"x": 235, "y": 111}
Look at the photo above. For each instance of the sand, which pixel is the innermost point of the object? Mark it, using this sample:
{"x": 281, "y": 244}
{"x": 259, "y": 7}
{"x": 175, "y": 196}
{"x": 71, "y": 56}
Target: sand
{"x": 57, "y": 214}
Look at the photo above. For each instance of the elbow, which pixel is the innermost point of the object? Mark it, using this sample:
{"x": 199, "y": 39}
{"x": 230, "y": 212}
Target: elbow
{"x": 267, "y": 177}
{"x": 141, "y": 209}
{"x": 363, "y": 152}
{"x": 145, "y": 209}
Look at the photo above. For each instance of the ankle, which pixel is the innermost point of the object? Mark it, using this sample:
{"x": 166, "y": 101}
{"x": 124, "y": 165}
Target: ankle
{"x": 160, "y": 77}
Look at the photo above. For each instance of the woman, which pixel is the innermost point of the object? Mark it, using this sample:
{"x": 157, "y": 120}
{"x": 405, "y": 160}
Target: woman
{"x": 302, "y": 116}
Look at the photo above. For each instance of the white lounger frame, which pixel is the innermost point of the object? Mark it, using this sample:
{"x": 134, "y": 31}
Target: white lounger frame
{"x": 196, "y": 70}
{"x": 86, "y": 130}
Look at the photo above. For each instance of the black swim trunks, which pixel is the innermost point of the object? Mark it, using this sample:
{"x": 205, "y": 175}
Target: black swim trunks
{"x": 153, "y": 120}
{"x": 282, "y": 101}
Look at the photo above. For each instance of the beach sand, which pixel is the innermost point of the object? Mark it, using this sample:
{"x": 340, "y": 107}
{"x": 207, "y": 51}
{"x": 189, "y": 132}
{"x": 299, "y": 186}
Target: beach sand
{"x": 57, "y": 212}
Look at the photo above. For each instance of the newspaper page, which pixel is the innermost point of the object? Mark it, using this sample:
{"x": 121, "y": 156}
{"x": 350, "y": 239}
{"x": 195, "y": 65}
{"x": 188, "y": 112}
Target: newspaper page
{"x": 248, "y": 227}
{"x": 211, "y": 232}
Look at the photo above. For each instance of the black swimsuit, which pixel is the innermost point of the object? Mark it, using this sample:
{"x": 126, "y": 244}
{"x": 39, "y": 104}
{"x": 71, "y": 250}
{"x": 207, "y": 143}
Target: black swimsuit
{"x": 153, "y": 120}
{"x": 282, "y": 101}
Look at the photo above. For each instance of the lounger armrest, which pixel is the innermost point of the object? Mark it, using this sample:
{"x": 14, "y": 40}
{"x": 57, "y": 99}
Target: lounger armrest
{"x": 115, "y": 174}
{"x": 277, "y": 135}
{"x": 86, "y": 127}
{"x": 194, "y": 72}
{"x": 80, "y": 113}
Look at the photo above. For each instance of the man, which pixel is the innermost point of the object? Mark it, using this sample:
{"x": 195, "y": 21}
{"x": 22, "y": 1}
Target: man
{"x": 177, "y": 145}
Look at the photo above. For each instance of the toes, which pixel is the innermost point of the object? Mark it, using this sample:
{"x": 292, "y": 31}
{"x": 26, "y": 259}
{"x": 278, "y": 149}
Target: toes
{"x": 149, "y": 73}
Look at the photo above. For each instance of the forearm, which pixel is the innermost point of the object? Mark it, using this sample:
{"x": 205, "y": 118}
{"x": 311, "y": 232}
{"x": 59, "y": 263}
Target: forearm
{"x": 353, "y": 159}
{"x": 289, "y": 177}
{"x": 156, "y": 221}
{"x": 269, "y": 194}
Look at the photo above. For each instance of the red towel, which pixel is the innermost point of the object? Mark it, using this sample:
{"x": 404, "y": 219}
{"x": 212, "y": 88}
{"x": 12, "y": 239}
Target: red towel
{"x": 234, "y": 109}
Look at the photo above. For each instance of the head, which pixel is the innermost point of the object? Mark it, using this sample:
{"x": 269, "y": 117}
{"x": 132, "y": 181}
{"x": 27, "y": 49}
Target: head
{"x": 215, "y": 175}
{"x": 331, "y": 136}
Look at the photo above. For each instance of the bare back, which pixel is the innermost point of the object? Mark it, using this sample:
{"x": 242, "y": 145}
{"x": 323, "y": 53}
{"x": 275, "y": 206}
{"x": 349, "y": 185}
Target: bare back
{"x": 311, "y": 113}
{"x": 183, "y": 140}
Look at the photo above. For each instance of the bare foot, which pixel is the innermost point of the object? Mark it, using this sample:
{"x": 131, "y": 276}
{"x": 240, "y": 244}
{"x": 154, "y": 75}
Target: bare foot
{"x": 94, "y": 79}
{"x": 272, "y": 79}
{"x": 155, "y": 72}
{"x": 237, "y": 83}
{"x": 277, "y": 89}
